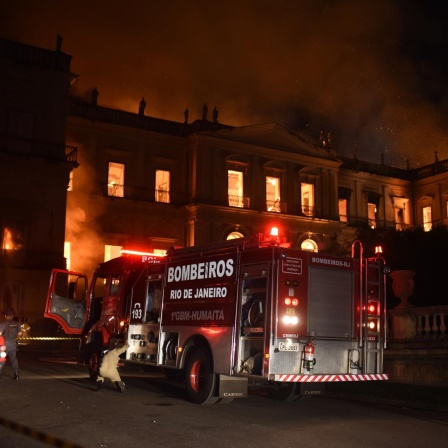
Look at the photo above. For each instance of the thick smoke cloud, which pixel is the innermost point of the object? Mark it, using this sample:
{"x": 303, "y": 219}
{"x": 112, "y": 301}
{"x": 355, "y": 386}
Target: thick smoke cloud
{"x": 369, "y": 72}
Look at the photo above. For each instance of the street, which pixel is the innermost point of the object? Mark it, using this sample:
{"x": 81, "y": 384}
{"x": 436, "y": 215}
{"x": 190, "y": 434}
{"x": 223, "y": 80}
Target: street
{"x": 55, "y": 401}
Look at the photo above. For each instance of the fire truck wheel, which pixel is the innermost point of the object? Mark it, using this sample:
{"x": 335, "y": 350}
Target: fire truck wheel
{"x": 200, "y": 379}
{"x": 284, "y": 391}
{"x": 94, "y": 359}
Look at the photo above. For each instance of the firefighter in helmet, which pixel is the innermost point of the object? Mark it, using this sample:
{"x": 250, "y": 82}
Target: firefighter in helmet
{"x": 10, "y": 330}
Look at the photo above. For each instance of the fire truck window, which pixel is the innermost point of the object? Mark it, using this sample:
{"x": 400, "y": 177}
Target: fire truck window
{"x": 68, "y": 299}
{"x": 254, "y": 295}
{"x": 251, "y": 341}
{"x": 153, "y": 302}
{"x": 99, "y": 291}
{"x": 114, "y": 286}
{"x": 100, "y": 287}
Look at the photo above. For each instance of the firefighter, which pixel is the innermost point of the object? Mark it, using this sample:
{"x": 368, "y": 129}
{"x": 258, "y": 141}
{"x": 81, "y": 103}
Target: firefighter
{"x": 108, "y": 368}
{"x": 2, "y": 354}
{"x": 11, "y": 331}
{"x": 25, "y": 332}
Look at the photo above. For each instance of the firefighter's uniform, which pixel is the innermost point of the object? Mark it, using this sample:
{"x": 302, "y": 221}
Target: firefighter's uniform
{"x": 2, "y": 354}
{"x": 10, "y": 330}
{"x": 108, "y": 369}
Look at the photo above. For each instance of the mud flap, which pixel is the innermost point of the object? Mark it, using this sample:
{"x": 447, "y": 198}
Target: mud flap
{"x": 311, "y": 389}
{"x": 232, "y": 387}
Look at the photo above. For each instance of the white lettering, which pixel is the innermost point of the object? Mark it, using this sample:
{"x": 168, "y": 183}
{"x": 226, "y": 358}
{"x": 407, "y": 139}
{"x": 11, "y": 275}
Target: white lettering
{"x": 199, "y": 315}
{"x": 205, "y": 270}
{"x": 201, "y": 269}
{"x": 204, "y": 293}
{"x": 188, "y": 293}
{"x": 327, "y": 261}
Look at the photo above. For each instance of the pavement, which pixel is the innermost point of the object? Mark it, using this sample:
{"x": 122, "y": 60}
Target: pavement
{"x": 415, "y": 396}
{"x": 412, "y": 396}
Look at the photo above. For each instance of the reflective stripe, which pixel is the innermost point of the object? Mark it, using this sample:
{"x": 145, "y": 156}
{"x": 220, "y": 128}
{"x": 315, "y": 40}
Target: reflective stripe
{"x": 330, "y": 378}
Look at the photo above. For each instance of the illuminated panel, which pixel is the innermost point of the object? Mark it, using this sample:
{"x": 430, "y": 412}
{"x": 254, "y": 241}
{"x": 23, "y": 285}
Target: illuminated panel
{"x": 291, "y": 297}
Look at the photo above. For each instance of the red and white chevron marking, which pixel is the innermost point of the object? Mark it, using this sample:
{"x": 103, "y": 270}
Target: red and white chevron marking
{"x": 330, "y": 378}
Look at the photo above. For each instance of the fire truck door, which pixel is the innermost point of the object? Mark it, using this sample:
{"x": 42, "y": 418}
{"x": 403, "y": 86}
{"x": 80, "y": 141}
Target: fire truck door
{"x": 251, "y": 329}
{"x": 146, "y": 298}
{"x": 66, "y": 300}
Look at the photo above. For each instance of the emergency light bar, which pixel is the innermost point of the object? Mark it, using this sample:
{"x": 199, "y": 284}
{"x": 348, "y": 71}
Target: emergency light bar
{"x": 136, "y": 252}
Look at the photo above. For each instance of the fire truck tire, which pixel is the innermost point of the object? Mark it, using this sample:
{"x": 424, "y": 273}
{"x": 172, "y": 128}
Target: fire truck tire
{"x": 94, "y": 359}
{"x": 200, "y": 379}
{"x": 284, "y": 391}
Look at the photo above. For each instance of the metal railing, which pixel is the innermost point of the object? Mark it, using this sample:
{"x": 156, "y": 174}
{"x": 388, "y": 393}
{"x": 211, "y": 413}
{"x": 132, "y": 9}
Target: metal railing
{"x": 276, "y": 206}
{"x": 238, "y": 201}
{"x": 309, "y": 210}
{"x": 145, "y": 194}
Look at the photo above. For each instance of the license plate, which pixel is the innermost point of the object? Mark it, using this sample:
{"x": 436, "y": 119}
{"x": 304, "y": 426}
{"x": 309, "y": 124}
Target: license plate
{"x": 291, "y": 347}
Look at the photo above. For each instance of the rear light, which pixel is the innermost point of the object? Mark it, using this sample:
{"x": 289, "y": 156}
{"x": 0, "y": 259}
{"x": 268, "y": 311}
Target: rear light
{"x": 290, "y": 317}
{"x": 373, "y": 308}
{"x": 373, "y": 316}
{"x": 290, "y": 320}
{"x": 291, "y": 301}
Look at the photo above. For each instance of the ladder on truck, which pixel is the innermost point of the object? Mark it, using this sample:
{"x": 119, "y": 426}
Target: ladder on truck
{"x": 372, "y": 318}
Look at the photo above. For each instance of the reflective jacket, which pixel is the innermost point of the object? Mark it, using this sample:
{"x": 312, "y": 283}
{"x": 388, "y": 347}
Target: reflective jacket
{"x": 2, "y": 349}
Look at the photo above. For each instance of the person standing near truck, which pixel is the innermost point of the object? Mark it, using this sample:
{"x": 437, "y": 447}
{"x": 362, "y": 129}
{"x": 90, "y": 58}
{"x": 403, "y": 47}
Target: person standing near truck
{"x": 11, "y": 330}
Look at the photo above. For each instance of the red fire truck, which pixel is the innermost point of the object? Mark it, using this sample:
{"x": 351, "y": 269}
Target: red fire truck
{"x": 250, "y": 311}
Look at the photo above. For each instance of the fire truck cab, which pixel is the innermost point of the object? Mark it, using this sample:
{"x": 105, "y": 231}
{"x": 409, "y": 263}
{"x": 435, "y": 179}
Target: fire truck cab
{"x": 251, "y": 311}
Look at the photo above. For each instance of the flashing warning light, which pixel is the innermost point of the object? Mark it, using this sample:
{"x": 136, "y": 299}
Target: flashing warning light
{"x": 136, "y": 252}
{"x": 378, "y": 250}
{"x": 294, "y": 302}
{"x": 274, "y": 231}
{"x": 371, "y": 325}
{"x": 288, "y": 301}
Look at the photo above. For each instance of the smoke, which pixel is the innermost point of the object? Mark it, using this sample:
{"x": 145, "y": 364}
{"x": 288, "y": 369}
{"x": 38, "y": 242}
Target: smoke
{"x": 368, "y": 72}
{"x": 84, "y": 209}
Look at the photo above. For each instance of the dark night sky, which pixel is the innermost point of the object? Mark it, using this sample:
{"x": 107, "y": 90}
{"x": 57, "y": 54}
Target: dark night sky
{"x": 370, "y": 72}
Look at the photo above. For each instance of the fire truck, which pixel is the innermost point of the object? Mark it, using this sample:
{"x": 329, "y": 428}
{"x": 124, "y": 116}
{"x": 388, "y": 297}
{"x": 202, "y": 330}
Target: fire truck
{"x": 226, "y": 316}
